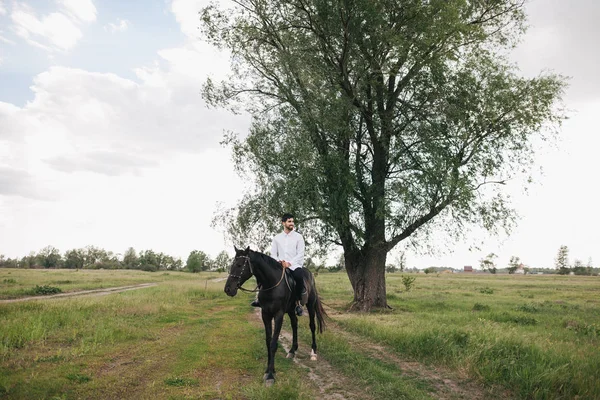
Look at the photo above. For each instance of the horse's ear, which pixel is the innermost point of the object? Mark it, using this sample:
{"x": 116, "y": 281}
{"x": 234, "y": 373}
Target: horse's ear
{"x": 247, "y": 250}
{"x": 235, "y": 248}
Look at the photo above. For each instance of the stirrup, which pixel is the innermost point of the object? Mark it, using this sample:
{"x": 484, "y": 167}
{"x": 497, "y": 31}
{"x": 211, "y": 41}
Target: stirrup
{"x": 299, "y": 310}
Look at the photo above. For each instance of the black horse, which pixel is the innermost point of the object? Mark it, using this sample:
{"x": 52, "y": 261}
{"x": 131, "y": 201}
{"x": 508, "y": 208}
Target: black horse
{"x": 277, "y": 297}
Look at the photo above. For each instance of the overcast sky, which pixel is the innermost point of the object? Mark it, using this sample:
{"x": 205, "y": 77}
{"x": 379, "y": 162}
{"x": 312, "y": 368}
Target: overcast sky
{"x": 105, "y": 140}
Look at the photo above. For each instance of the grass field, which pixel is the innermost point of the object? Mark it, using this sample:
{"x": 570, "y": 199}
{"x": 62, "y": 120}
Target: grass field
{"x": 500, "y": 336}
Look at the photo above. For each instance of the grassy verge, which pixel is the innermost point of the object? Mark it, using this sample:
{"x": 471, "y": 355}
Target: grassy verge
{"x": 536, "y": 336}
{"x": 177, "y": 340}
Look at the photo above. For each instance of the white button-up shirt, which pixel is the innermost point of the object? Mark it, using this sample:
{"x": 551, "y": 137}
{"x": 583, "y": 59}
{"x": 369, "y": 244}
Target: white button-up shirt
{"x": 289, "y": 247}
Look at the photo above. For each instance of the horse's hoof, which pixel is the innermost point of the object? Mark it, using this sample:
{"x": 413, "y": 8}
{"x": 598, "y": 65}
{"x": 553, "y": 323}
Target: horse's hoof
{"x": 313, "y": 358}
{"x": 269, "y": 382}
{"x": 290, "y": 355}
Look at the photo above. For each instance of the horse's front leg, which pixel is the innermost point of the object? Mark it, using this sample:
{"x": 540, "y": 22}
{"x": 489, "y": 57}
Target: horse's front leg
{"x": 267, "y": 321}
{"x": 270, "y": 378}
{"x": 294, "y": 322}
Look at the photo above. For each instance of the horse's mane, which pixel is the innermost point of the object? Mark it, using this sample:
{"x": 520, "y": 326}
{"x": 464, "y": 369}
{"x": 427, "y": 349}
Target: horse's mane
{"x": 270, "y": 261}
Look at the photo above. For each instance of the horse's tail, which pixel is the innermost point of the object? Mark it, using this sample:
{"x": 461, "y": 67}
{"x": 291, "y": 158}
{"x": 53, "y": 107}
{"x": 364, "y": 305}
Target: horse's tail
{"x": 320, "y": 311}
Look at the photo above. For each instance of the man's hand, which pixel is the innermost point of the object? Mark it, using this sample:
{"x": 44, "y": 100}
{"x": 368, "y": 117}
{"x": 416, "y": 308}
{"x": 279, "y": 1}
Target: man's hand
{"x": 285, "y": 264}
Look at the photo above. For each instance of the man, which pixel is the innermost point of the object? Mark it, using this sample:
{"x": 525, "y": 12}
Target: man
{"x": 288, "y": 248}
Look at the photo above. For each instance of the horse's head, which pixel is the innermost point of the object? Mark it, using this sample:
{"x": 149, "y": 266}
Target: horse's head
{"x": 239, "y": 272}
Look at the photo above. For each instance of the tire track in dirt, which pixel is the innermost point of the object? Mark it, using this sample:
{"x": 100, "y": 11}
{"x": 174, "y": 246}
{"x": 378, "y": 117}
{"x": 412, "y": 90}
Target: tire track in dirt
{"x": 81, "y": 293}
{"x": 448, "y": 384}
{"x": 336, "y": 386}
{"x": 332, "y": 385}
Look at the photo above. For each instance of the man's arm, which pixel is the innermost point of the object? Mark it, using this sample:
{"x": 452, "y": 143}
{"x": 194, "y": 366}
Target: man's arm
{"x": 298, "y": 261}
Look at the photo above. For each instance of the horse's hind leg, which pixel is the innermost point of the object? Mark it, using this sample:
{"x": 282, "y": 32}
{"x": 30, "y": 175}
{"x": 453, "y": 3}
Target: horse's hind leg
{"x": 294, "y": 322}
{"x": 311, "y": 314}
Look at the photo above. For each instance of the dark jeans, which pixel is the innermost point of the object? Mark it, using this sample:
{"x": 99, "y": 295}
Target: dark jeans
{"x": 298, "y": 274}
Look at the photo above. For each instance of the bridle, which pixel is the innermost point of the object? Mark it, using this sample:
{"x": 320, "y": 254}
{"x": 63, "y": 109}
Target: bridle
{"x": 239, "y": 277}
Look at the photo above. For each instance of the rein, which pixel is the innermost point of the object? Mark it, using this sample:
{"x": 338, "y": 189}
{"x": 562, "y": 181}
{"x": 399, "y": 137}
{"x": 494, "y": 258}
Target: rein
{"x": 239, "y": 277}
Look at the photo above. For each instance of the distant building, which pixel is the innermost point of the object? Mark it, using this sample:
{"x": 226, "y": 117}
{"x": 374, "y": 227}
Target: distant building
{"x": 520, "y": 269}
{"x": 468, "y": 268}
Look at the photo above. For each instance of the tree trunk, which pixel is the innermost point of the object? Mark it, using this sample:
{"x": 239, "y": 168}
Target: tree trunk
{"x": 366, "y": 271}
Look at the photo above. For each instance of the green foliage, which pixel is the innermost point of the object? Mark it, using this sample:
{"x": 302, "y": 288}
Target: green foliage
{"x": 9, "y": 281}
{"x": 481, "y": 307}
{"x": 530, "y": 308}
{"x": 388, "y": 119}
{"x": 49, "y": 257}
{"x": 583, "y": 328}
{"x": 408, "y": 282}
{"x": 46, "y": 289}
{"x": 181, "y": 382}
{"x": 513, "y": 264}
{"x": 197, "y": 261}
{"x": 130, "y": 259}
{"x": 390, "y": 268}
{"x": 486, "y": 290}
{"x": 562, "y": 261}
{"x": 222, "y": 261}
{"x": 513, "y": 318}
{"x": 78, "y": 378}
{"x": 75, "y": 259}
{"x": 489, "y": 263}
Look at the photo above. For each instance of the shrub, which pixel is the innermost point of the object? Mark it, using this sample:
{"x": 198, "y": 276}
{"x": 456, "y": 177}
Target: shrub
{"x": 530, "y": 308}
{"x": 481, "y": 307}
{"x": 408, "y": 282}
{"x": 46, "y": 289}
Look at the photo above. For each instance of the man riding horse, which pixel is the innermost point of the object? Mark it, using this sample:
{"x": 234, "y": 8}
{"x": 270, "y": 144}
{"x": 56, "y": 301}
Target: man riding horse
{"x": 288, "y": 248}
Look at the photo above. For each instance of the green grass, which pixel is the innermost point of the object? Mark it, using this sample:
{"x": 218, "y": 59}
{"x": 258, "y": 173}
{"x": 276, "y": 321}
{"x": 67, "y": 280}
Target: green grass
{"x": 183, "y": 338}
{"x": 15, "y": 283}
{"x": 533, "y": 337}
{"x": 538, "y": 349}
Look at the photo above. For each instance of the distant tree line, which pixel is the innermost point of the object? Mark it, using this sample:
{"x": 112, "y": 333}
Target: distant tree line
{"x": 563, "y": 266}
{"x": 92, "y": 257}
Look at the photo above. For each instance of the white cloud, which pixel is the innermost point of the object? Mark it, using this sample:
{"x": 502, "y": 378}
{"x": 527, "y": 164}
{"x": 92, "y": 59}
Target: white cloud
{"x": 5, "y": 40}
{"x": 127, "y": 162}
{"x": 56, "y": 28}
{"x": 56, "y": 31}
{"x": 121, "y": 26}
{"x": 84, "y": 10}
{"x": 17, "y": 182}
{"x": 81, "y": 121}
{"x": 2, "y": 8}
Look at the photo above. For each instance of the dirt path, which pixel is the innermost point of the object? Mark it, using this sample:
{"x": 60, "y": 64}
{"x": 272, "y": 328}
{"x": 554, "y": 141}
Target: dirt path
{"x": 336, "y": 386}
{"x": 93, "y": 292}
{"x": 332, "y": 385}
{"x": 448, "y": 386}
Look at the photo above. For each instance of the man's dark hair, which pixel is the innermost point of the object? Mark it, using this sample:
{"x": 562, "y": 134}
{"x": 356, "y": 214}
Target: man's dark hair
{"x": 286, "y": 216}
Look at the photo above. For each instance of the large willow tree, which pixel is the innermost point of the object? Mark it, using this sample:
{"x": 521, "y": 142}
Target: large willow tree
{"x": 375, "y": 119}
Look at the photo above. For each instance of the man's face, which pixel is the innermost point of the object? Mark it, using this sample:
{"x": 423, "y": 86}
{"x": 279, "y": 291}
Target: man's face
{"x": 289, "y": 224}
